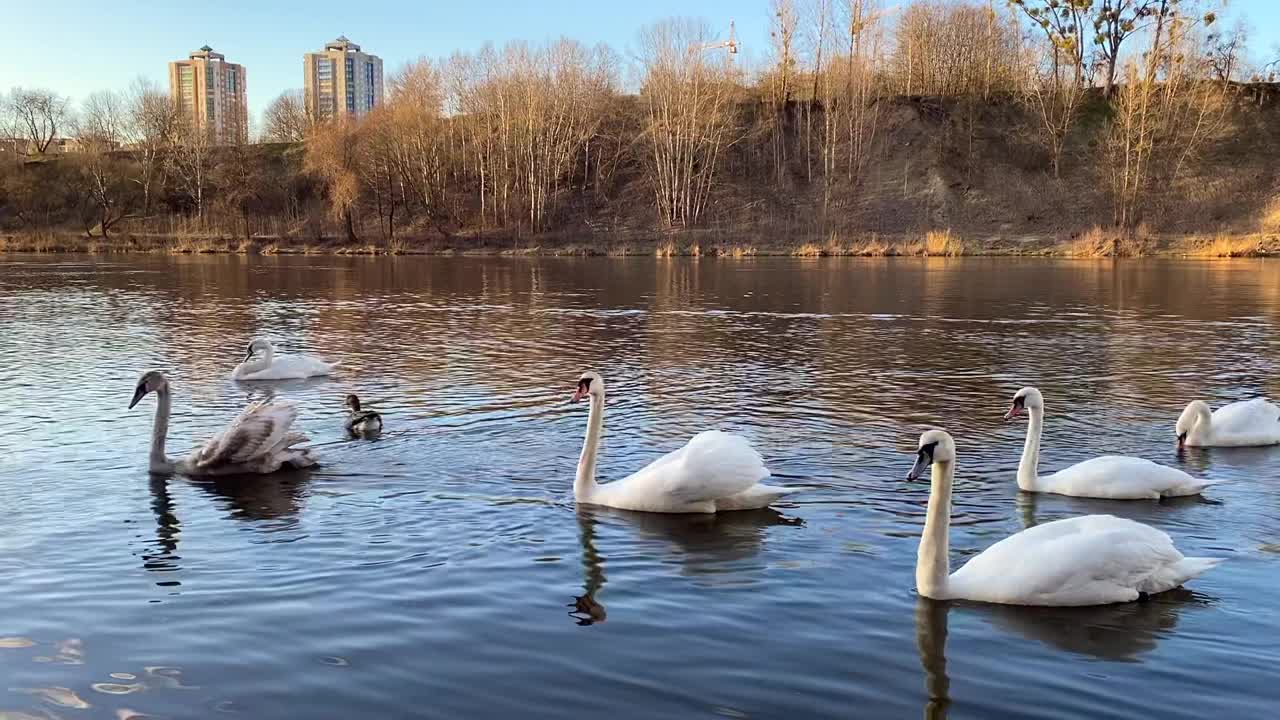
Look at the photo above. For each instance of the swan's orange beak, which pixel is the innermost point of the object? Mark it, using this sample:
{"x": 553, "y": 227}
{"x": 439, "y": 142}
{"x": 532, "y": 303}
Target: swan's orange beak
{"x": 1014, "y": 412}
{"x": 1182, "y": 440}
{"x": 581, "y": 392}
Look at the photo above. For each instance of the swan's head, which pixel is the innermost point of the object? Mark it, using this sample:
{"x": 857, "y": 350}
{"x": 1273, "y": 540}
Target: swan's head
{"x": 352, "y": 402}
{"x": 153, "y": 381}
{"x": 1190, "y": 416}
{"x": 257, "y": 346}
{"x": 590, "y": 384}
{"x": 936, "y": 446}
{"x": 1026, "y": 399}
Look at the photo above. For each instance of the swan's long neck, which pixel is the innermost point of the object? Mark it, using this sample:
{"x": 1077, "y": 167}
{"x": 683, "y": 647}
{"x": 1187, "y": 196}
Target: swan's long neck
{"x": 932, "y": 563}
{"x": 160, "y": 431}
{"x": 1029, "y": 466}
{"x": 585, "y": 483}
{"x": 1200, "y": 431}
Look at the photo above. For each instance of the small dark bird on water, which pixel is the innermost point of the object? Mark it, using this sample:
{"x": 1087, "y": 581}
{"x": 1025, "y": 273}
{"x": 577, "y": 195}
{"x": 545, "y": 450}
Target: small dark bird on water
{"x": 363, "y": 423}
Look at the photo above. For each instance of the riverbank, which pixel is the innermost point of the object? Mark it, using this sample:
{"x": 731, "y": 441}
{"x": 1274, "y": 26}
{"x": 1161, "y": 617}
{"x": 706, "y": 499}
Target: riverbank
{"x": 1095, "y": 243}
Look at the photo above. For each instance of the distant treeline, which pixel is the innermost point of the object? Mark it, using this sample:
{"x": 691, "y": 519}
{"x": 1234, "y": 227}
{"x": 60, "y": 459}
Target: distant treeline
{"x": 1032, "y": 116}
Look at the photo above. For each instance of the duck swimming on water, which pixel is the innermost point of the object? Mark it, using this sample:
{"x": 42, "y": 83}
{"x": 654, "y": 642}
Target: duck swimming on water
{"x": 363, "y": 423}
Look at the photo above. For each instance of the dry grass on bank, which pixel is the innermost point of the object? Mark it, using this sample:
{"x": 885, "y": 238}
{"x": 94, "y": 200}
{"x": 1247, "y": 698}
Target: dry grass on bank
{"x": 935, "y": 243}
{"x": 941, "y": 243}
{"x": 1228, "y": 246}
{"x": 1099, "y": 242}
{"x": 1095, "y": 243}
{"x": 1271, "y": 217}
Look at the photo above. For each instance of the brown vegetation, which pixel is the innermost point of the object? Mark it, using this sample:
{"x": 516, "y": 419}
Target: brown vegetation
{"x": 1018, "y": 126}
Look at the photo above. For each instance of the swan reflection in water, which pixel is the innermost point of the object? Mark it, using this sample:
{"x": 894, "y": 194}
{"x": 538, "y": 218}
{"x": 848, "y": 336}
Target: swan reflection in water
{"x": 251, "y": 497}
{"x": 278, "y": 497}
{"x": 164, "y": 557}
{"x": 1150, "y": 512}
{"x": 1115, "y": 633}
{"x": 705, "y": 544}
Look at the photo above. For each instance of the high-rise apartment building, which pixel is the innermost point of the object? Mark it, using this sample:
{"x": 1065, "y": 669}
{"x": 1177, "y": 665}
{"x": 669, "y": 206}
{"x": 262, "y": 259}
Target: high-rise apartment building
{"x": 210, "y": 93}
{"x": 341, "y": 81}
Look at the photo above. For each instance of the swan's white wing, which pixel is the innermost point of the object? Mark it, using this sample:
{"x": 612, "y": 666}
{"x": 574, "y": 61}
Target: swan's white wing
{"x": 713, "y": 464}
{"x": 1089, "y": 560}
{"x": 288, "y": 367}
{"x": 1254, "y": 421}
{"x": 260, "y": 431}
{"x": 312, "y": 366}
{"x": 1122, "y": 478}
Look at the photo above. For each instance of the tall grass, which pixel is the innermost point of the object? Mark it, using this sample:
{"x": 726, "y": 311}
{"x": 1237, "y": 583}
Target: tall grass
{"x": 1098, "y": 242}
{"x": 941, "y": 243}
{"x": 1229, "y": 246}
{"x": 1271, "y": 217}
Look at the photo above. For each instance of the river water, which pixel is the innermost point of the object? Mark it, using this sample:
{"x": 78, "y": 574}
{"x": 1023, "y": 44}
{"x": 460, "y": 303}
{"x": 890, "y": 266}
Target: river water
{"x": 443, "y": 571}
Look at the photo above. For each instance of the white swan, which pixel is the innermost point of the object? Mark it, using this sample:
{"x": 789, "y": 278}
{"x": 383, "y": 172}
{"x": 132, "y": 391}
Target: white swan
{"x": 1087, "y": 560}
{"x": 1111, "y": 477}
{"x": 363, "y": 423}
{"x": 1241, "y": 424}
{"x": 270, "y": 367}
{"x": 714, "y": 472}
{"x": 261, "y": 440}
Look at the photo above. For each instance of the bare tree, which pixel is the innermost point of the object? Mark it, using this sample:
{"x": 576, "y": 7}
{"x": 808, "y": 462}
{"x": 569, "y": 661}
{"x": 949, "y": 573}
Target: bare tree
{"x": 1063, "y": 23}
{"x": 847, "y": 44}
{"x": 860, "y": 83}
{"x": 689, "y": 117}
{"x": 1058, "y": 82}
{"x": 1115, "y": 21}
{"x": 334, "y": 155}
{"x": 1227, "y": 51}
{"x": 9, "y": 132}
{"x": 527, "y": 115}
{"x": 188, "y": 162}
{"x": 153, "y": 129}
{"x": 100, "y": 131}
{"x": 39, "y": 115}
{"x": 820, "y": 30}
{"x": 782, "y": 33}
{"x": 954, "y": 49}
{"x": 287, "y": 118}
{"x": 1054, "y": 98}
{"x": 1165, "y": 111}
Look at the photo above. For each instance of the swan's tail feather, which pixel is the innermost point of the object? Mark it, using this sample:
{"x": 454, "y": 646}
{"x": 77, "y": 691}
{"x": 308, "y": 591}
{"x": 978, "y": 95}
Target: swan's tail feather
{"x": 758, "y": 496}
{"x": 1193, "y": 488}
{"x": 1187, "y": 568}
{"x": 784, "y": 491}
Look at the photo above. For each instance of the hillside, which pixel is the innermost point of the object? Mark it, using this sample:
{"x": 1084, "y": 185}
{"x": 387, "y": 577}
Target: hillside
{"x": 969, "y": 166}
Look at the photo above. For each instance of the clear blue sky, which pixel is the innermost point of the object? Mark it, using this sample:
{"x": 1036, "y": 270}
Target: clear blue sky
{"x": 78, "y": 46}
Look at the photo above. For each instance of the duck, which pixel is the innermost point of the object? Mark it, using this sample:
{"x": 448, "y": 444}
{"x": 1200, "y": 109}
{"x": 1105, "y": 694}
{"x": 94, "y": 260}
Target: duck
{"x": 363, "y": 423}
{"x": 259, "y": 441}
{"x": 1249, "y": 423}
{"x": 267, "y": 366}
{"x": 1079, "y": 561}
{"x": 714, "y": 472}
{"x": 1110, "y": 477}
